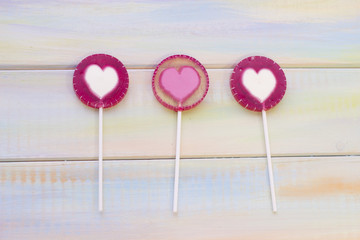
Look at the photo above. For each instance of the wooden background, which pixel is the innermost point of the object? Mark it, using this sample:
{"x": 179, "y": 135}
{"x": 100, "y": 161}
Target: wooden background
{"x": 48, "y": 138}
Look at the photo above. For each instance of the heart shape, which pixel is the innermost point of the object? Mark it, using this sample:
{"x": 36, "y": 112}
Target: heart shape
{"x": 180, "y": 85}
{"x": 101, "y": 82}
{"x": 260, "y": 84}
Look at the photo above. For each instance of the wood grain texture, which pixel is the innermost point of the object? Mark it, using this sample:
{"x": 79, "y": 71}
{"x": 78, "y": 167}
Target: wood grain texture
{"x": 43, "y": 119}
{"x": 225, "y": 198}
{"x": 318, "y": 198}
{"x": 299, "y": 33}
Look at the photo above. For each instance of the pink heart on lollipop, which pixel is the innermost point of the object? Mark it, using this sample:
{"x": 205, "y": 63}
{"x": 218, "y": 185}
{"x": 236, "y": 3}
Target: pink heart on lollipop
{"x": 180, "y": 85}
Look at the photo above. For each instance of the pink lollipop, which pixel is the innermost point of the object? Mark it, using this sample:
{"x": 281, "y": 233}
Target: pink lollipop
{"x": 100, "y": 81}
{"x": 258, "y": 83}
{"x": 179, "y": 83}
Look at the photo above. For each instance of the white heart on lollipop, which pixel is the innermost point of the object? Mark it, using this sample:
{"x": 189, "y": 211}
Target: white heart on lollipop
{"x": 101, "y": 82}
{"x": 260, "y": 84}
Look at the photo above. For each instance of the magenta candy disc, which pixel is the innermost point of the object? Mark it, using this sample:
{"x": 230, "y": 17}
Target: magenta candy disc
{"x": 258, "y": 83}
{"x": 100, "y": 81}
{"x": 180, "y": 82}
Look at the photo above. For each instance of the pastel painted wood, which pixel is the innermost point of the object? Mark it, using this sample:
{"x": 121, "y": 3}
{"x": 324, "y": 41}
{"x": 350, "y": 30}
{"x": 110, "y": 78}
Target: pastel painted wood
{"x": 320, "y": 195}
{"x": 316, "y": 100}
{"x": 297, "y": 33}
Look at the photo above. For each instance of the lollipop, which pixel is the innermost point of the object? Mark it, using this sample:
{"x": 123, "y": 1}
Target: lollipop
{"x": 179, "y": 83}
{"x": 258, "y": 84}
{"x": 100, "y": 81}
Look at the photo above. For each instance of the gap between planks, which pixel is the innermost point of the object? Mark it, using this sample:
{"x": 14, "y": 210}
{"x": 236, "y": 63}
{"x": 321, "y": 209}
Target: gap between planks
{"x": 152, "y": 67}
{"x": 281, "y": 159}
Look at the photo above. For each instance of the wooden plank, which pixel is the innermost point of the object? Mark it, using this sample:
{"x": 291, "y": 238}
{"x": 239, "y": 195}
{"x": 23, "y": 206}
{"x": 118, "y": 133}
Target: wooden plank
{"x": 43, "y": 119}
{"x": 58, "y": 34}
{"x": 318, "y": 198}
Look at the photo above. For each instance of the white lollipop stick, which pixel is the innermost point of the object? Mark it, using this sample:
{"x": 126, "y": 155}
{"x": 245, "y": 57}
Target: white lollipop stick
{"x": 177, "y": 163}
{"x": 269, "y": 164}
{"x": 100, "y": 159}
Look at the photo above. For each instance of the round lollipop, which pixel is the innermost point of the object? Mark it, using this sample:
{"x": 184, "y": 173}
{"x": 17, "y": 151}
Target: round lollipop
{"x": 179, "y": 83}
{"x": 100, "y": 81}
{"x": 258, "y": 84}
